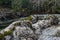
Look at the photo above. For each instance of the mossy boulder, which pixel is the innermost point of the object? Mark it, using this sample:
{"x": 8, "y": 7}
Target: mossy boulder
{"x": 7, "y": 32}
{"x": 1, "y": 36}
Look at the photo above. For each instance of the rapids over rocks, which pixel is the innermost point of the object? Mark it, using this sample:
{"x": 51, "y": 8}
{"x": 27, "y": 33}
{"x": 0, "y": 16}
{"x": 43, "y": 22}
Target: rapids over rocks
{"x": 33, "y": 29}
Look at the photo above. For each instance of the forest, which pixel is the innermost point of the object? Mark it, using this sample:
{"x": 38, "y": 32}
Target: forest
{"x": 32, "y": 6}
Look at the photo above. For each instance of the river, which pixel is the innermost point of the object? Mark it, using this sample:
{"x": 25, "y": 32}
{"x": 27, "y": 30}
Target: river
{"x": 4, "y": 24}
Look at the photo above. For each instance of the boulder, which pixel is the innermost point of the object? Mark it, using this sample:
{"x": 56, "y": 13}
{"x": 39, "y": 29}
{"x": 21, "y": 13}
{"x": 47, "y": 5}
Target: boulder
{"x": 44, "y": 24}
{"x": 36, "y": 28}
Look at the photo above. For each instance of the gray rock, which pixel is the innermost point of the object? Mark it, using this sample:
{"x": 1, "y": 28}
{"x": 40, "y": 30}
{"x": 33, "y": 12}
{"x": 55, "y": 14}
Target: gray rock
{"x": 44, "y": 24}
{"x": 37, "y": 28}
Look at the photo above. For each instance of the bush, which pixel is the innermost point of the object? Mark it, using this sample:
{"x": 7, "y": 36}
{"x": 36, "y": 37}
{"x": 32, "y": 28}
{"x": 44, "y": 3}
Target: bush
{"x": 47, "y": 6}
{"x": 28, "y": 6}
{"x": 21, "y": 5}
{"x": 5, "y": 3}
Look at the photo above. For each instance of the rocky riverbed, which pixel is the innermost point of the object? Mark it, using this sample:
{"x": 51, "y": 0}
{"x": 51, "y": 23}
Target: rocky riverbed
{"x": 32, "y": 29}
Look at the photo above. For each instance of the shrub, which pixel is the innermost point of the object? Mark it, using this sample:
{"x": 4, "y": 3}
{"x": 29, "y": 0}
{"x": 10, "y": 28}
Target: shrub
{"x": 21, "y": 5}
{"x": 5, "y": 3}
{"x": 49, "y": 6}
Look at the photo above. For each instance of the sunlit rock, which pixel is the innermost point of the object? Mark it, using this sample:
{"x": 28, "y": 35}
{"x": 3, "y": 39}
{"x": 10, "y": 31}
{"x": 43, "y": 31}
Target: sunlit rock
{"x": 44, "y": 23}
{"x": 29, "y": 38}
{"x": 23, "y": 30}
{"x": 22, "y": 38}
{"x": 36, "y": 28}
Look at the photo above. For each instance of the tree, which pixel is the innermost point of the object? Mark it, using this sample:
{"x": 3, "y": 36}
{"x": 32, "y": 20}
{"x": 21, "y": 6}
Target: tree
{"x": 5, "y": 3}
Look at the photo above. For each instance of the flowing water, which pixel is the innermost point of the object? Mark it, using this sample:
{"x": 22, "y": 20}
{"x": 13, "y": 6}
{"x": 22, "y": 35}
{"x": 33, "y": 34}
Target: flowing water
{"x": 4, "y": 24}
{"x": 26, "y": 32}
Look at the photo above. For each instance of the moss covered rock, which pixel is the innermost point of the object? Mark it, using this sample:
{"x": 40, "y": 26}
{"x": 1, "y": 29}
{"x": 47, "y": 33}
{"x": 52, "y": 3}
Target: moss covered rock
{"x": 7, "y": 32}
{"x": 1, "y": 36}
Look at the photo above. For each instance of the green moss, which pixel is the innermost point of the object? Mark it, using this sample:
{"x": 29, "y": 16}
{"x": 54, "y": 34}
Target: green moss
{"x": 7, "y": 32}
{"x": 1, "y": 36}
{"x": 28, "y": 18}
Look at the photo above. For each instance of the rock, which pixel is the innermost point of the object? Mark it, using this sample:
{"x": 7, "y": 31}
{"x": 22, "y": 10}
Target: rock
{"x": 23, "y": 30}
{"x": 29, "y": 39}
{"x": 44, "y": 24}
{"x": 40, "y": 25}
{"x": 36, "y": 28}
{"x": 57, "y": 34}
{"x": 26, "y": 23}
{"x": 22, "y": 38}
{"x": 53, "y": 19}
